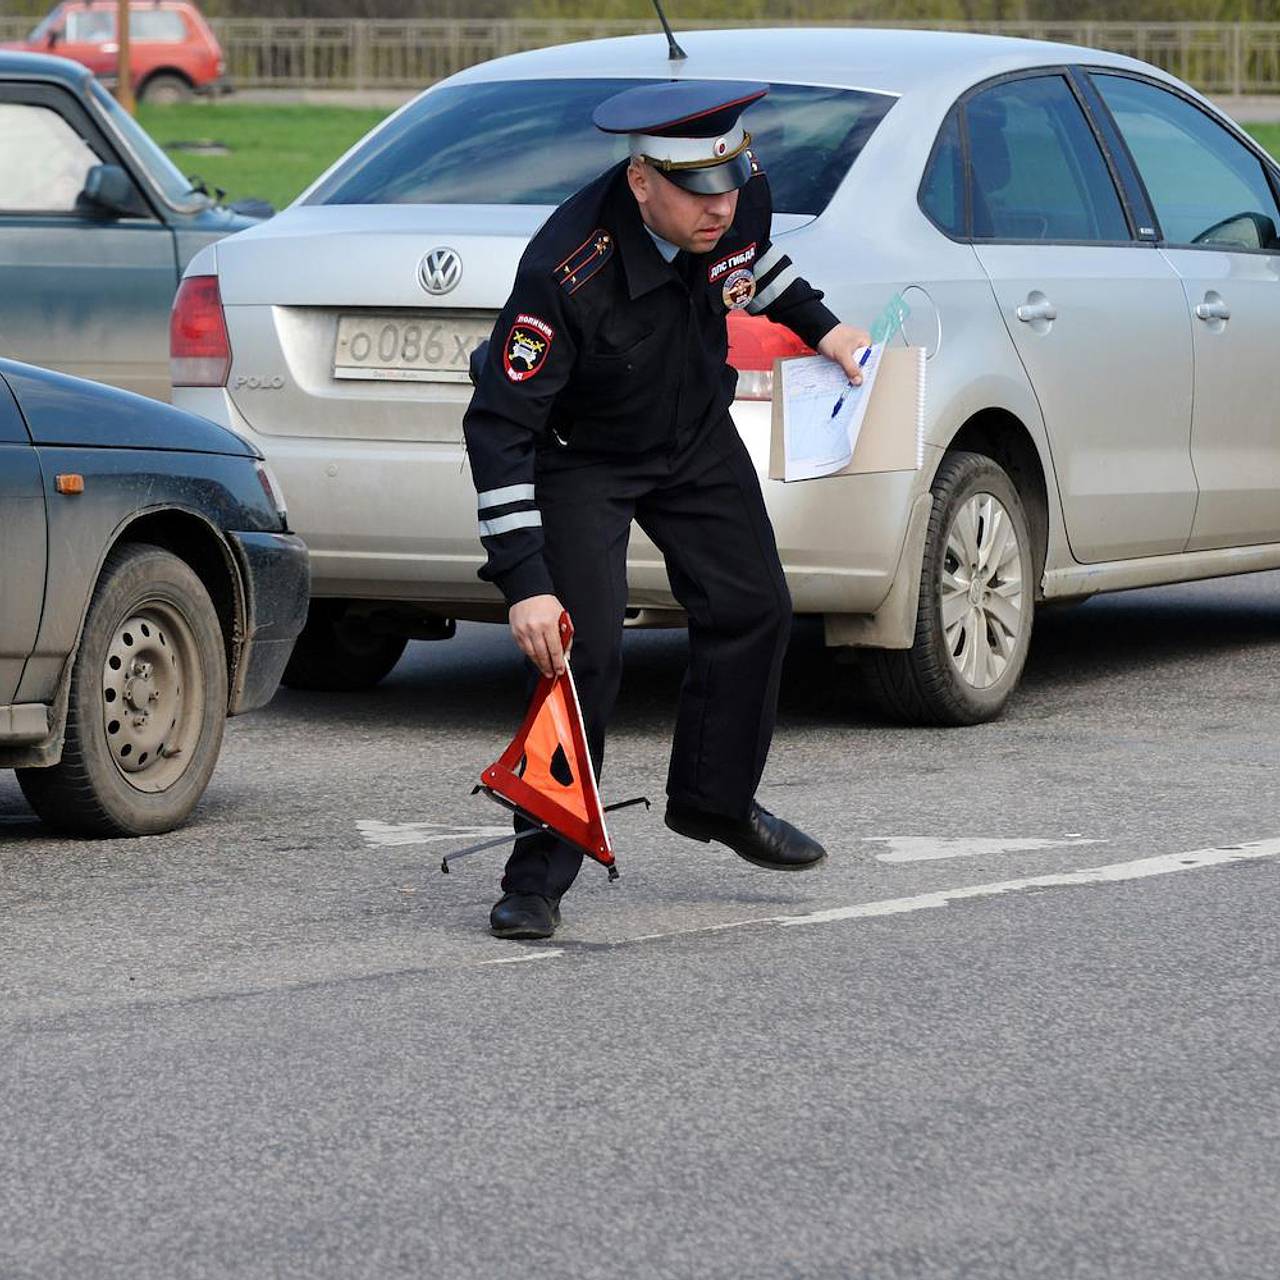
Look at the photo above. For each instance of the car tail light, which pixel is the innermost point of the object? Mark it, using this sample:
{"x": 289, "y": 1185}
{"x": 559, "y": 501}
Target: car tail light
{"x": 755, "y": 342}
{"x": 199, "y": 352}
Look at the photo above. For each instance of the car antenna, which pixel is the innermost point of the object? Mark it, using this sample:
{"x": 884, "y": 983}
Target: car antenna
{"x": 674, "y": 52}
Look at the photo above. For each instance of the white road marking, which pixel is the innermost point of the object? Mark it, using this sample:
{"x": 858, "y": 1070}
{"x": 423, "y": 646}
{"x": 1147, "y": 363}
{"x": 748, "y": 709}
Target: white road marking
{"x": 383, "y": 835}
{"x": 935, "y": 848}
{"x": 1111, "y": 873}
{"x": 525, "y": 956}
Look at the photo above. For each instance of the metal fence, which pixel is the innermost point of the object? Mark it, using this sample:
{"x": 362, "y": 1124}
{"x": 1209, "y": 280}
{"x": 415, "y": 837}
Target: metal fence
{"x": 1237, "y": 58}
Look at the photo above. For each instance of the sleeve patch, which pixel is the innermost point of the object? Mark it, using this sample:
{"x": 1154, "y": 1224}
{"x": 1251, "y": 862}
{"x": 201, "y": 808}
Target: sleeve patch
{"x": 739, "y": 258}
{"x": 525, "y": 350}
{"x": 585, "y": 261}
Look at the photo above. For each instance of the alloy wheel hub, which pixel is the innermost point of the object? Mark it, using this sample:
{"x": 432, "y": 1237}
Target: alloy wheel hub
{"x": 982, "y": 591}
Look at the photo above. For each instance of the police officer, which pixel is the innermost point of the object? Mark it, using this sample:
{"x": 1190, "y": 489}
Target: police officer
{"x": 604, "y": 398}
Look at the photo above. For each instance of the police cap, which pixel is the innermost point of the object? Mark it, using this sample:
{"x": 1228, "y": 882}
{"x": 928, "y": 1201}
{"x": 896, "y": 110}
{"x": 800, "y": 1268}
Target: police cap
{"x": 688, "y": 129}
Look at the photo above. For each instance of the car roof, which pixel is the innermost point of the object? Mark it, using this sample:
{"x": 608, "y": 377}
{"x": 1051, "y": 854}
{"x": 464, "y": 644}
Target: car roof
{"x": 42, "y": 66}
{"x": 885, "y": 60}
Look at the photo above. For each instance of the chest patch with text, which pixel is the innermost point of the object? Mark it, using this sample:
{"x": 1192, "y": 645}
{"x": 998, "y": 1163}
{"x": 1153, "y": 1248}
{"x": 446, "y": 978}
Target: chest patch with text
{"x": 525, "y": 351}
{"x": 734, "y": 261}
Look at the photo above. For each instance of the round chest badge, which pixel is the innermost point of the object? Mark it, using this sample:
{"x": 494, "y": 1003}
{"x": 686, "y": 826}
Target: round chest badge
{"x": 739, "y": 289}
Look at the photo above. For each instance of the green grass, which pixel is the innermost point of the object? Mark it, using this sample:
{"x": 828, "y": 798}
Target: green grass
{"x": 1268, "y": 135}
{"x": 274, "y": 151}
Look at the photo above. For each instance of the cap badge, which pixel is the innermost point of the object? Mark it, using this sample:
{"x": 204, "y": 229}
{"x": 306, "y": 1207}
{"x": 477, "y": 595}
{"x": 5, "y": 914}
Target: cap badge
{"x": 721, "y": 146}
{"x": 739, "y": 289}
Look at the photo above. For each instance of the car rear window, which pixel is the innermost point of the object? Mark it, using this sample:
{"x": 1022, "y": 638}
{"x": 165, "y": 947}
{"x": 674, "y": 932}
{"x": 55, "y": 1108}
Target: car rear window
{"x": 532, "y": 142}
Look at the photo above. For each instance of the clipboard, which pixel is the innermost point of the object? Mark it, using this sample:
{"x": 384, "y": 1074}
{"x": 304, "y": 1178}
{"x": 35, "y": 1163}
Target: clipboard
{"x": 892, "y": 433}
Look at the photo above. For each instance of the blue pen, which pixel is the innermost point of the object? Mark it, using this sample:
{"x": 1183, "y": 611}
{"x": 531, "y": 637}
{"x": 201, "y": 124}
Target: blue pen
{"x": 848, "y": 386}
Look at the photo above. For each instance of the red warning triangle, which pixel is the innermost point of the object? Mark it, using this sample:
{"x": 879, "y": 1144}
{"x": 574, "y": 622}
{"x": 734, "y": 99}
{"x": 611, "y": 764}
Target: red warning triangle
{"x": 546, "y": 772}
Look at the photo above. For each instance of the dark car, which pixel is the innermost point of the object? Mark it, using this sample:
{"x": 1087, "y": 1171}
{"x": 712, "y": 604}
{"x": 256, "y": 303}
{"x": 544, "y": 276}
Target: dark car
{"x": 96, "y": 228}
{"x": 149, "y": 587}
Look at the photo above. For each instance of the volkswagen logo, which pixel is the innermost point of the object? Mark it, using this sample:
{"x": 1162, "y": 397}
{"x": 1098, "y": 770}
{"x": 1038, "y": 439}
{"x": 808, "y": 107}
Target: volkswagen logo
{"x": 440, "y": 270}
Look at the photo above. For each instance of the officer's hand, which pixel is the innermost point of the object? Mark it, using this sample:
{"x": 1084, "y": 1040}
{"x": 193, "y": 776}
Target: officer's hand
{"x": 840, "y": 343}
{"x": 535, "y": 623}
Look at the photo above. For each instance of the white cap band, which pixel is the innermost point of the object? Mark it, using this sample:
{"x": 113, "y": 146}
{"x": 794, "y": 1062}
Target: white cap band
{"x": 688, "y": 151}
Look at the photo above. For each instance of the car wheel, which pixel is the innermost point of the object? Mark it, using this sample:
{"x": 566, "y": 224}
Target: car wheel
{"x": 977, "y": 600}
{"x": 338, "y": 652}
{"x": 147, "y": 703}
{"x": 165, "y": 90}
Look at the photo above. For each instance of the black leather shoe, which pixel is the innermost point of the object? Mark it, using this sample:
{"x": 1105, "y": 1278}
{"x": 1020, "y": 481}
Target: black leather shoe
{"x": 523, "y": 915}
{"x": 760, "y": 838}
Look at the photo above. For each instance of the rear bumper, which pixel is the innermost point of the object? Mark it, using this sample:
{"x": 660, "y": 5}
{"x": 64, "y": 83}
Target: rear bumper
{"x": 277, "y": 583}
{"x": 395, "y": 520}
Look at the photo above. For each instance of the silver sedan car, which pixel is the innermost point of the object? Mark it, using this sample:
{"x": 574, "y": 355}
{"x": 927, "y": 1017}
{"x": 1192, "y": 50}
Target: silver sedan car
{"x": 1087, "y": 247}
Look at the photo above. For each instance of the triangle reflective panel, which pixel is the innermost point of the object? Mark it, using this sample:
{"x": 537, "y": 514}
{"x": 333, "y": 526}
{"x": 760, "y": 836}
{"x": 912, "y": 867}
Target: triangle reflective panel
{"x": 546, "y": 774}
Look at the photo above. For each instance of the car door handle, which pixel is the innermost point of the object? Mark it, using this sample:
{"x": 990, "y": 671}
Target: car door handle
{"x": 1030, "y": 311}
{"x": 1213, "y": 310}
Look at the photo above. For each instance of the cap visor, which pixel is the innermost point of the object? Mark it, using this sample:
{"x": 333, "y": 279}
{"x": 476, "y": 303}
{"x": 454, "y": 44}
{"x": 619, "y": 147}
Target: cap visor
{"x": 714, "y": 180}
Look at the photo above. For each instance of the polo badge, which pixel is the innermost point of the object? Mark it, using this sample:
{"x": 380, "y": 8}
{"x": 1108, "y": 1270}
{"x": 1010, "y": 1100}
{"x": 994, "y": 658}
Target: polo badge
{"x": 526, "y": 347}
{"x": 739, "y": 289}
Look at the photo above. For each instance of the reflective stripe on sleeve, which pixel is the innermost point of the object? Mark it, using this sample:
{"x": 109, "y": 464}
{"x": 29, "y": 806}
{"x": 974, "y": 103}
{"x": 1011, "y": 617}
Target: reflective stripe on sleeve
{"x": 772, "y": 289}
{"x": 511, "y": 493}
{"x": 505, "y": 524}
{"x": 770, "y": 259}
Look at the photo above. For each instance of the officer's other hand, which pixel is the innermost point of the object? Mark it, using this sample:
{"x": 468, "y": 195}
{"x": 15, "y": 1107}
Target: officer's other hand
{"x": 840, "y": 344}
{"x": 535, "y": 623}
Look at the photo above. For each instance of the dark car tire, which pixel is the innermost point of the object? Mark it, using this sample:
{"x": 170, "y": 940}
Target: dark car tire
{"x": 147, "y": 704}
{"x": 964, "y": 673}
{"x": 164, "y": 89}
{"x": 340, "y": 653}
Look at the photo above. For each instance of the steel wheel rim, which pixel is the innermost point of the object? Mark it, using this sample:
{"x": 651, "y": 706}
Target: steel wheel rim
{"x": 152, "y": 696}
{"x": 982, "y": 591}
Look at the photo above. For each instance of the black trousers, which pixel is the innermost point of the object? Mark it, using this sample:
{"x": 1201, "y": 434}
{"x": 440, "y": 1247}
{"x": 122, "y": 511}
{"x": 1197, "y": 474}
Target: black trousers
{"x": 703, "y": 509}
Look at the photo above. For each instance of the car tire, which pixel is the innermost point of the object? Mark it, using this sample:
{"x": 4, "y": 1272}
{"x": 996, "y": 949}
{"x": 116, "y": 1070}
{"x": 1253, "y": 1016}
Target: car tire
{"x": 146, "y": 706}
{"x": 340, "y": 653}
{"x": 977, "y": 603}
{"x": 164, "y": 89}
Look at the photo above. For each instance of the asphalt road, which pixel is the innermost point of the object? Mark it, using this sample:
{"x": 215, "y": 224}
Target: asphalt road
{"x": 1024, "y": 1023}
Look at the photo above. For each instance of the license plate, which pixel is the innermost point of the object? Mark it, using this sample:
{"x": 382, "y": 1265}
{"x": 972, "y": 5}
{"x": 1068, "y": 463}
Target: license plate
{"x": 409, "y": 346}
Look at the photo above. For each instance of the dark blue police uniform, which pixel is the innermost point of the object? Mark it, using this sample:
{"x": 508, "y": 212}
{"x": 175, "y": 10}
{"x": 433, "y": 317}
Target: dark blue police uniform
{"x": 604, "y": 398}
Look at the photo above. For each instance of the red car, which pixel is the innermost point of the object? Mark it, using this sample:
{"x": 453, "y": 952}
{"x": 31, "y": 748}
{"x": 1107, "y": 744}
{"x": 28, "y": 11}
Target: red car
{"x": 173, "y": 54}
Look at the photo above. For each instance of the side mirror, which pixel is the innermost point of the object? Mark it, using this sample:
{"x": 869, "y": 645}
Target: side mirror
{"x": 54, "y": 39}
{"x": 1247, "y": 230}
{"x": 108, "y": 189}
{"x": 252, "y": 207}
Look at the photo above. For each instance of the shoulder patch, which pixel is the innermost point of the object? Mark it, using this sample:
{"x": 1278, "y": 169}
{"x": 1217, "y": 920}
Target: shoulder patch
{"x": 526, "y": 347}
{"x": 585, "y": 261}
{"x": 743, "y": 257}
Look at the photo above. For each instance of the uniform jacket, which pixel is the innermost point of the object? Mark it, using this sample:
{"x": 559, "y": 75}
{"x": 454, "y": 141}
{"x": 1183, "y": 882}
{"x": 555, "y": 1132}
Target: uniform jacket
{"x": 605, "y": 349}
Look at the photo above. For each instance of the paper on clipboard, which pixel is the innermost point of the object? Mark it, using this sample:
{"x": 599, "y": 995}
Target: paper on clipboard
{"x": 881, "y": 429}
{"x": 824, "y": 414}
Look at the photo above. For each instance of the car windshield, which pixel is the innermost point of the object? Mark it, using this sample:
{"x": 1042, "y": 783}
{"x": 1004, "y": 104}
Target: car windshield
{"x": 532, "y": 142}
{"x": 163, "y": 172}
{"x": 44, "y": 26}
